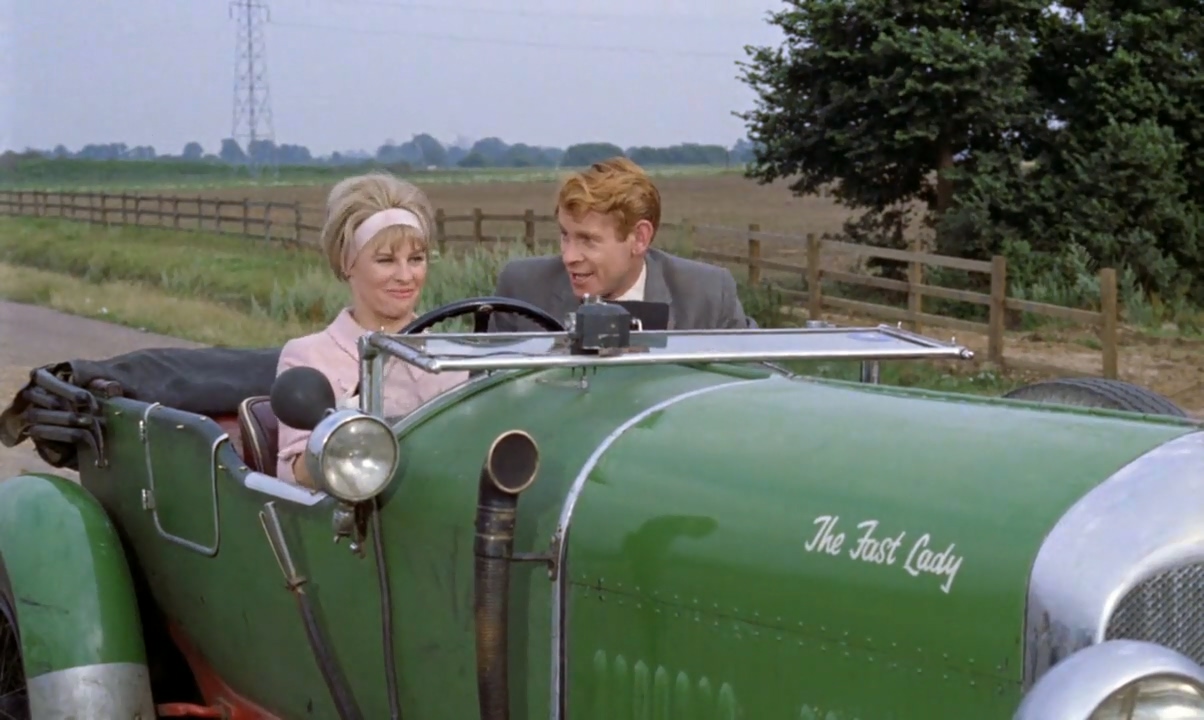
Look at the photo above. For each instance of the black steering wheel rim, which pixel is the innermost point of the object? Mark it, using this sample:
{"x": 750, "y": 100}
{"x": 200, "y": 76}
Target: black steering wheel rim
{"x": 482, "y": 308}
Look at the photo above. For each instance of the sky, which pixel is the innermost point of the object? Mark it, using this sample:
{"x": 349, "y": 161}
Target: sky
{"x": 353, "y": 74}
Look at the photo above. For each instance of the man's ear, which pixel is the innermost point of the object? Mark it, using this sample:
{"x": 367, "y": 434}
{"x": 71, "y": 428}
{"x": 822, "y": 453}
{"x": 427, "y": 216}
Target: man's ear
{"x": 641, "y": 237}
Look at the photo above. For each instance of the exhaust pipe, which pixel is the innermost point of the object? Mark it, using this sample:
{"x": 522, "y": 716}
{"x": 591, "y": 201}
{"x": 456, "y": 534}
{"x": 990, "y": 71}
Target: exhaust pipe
{"x": 510, "y": 467}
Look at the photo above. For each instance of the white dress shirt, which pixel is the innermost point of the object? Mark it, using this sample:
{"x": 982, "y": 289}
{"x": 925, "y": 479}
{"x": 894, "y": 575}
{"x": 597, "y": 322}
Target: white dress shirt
{"x": 636, "y": 292}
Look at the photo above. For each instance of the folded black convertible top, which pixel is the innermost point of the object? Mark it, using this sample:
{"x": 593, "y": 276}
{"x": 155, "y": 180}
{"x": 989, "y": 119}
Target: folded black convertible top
{"x": 207, "y": 381}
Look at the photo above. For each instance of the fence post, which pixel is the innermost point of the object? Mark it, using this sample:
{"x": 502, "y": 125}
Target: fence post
{"x": 175, "y": 211}
{"x": 246, "y": 216}
{"x": 754, "y": 256}
{"x": 915, "y": 278}
{"x": 267, "y": 222}
{"x": 815, "y": 293}
{"x": 687, "y": 233}
{"x": 999, "y": 285}
{"x": 441, "y": 231}
{"x": 1109, "y": 308}
{"x": 297, "y": 223}
{"x": 478, "y": 234}
{"x": 529, "y": 230}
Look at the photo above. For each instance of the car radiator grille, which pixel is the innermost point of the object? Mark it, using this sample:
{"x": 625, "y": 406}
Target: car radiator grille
{"x": 1167, "y": 609}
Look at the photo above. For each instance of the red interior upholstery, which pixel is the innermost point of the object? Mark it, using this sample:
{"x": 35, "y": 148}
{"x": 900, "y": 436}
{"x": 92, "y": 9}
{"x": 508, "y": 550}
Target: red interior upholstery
{"x": 229, "y": 424}
{"x": 253, "y": 433}
{"x": 259, "y": 429}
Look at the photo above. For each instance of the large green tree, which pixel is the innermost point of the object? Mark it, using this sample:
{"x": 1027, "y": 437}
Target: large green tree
{"x": 880, "y": 100}
{"x": 1038, "y": 130}
{"x": 1119, "y": 173}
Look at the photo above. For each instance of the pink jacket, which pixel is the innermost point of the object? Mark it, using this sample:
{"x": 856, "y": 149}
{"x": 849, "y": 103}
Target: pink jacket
{"x": 333, "y": 351}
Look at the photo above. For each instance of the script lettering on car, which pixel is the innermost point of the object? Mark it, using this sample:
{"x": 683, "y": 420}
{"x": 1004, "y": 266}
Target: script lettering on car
{"x": 919, "y": 557}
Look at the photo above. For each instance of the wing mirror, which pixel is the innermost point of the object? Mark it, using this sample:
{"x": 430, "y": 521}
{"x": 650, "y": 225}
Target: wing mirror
{"x": 301, "y": 397}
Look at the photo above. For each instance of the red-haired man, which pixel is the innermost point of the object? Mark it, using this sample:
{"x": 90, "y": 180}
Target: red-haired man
{"x": 609, "y": 215}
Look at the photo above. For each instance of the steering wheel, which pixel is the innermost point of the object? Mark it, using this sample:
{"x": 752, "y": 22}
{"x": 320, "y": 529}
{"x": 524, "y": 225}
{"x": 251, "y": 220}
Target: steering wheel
{"x": 482, "y": 308}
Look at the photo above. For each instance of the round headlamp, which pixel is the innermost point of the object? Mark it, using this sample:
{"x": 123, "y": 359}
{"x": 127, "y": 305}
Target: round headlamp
{"x": 351, "y": 456}
{"x": 1119, "y": 680}
{"x": 1165, "y": 697}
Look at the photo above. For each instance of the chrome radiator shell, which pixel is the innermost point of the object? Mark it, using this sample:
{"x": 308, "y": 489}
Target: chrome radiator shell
{"x": 1124, "y": 562}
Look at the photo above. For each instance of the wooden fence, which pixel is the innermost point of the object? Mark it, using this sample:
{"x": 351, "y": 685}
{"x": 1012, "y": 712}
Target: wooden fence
{"x": 298, "y": 224}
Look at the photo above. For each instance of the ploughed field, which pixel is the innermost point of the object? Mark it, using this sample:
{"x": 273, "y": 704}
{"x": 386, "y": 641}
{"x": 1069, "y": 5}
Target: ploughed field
{"x": 725, "y": 200}
{"x": 1169, "y": 365}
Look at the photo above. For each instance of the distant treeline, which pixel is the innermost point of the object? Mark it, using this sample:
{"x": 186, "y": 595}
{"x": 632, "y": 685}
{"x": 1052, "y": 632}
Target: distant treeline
{"x": 421, "y": 151}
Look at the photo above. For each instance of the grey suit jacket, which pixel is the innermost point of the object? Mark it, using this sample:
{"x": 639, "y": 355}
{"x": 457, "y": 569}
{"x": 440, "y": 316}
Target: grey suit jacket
{"x": 700, "y": 296}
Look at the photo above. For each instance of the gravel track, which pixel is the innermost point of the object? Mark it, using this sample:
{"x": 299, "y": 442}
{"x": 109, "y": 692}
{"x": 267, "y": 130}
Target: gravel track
{"x": 32, "y": 336}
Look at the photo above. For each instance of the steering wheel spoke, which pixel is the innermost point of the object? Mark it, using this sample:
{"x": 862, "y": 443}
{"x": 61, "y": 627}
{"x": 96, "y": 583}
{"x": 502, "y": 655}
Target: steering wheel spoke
{"x": 482, "y": 309}
{"x": 481, "y": 317}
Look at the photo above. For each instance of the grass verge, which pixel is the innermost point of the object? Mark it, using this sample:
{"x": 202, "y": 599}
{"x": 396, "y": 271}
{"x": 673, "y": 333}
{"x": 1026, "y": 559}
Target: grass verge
{"x": 230, "y": 291}
{"x": 145, "y": 307}
{"x": 259, "y": 278}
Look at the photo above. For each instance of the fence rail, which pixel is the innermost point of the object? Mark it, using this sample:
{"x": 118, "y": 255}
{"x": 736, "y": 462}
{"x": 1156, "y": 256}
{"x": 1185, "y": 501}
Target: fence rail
{"x": 297, "y": 224}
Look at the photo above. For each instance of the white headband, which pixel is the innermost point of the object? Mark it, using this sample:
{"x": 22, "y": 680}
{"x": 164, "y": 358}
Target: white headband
{"x": 376, "y": 222}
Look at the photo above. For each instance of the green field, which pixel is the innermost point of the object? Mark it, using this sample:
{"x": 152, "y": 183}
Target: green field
{"x": 116, "y": 175}
{"x": 229, "y": 291}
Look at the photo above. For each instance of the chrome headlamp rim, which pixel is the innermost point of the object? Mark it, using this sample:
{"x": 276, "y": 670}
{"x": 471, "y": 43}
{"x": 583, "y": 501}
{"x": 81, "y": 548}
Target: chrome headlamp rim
{"x": 1079, "y": 684}
{"x": 319, "y": 439}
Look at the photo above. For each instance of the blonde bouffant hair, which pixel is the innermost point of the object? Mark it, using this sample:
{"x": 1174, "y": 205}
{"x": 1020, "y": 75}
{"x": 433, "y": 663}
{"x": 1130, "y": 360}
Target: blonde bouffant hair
{"x": 353, "y": 200}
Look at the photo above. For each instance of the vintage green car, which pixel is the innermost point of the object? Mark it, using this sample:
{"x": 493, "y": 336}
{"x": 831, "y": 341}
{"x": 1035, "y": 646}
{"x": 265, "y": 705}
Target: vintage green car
{"x": 701, "y": 535}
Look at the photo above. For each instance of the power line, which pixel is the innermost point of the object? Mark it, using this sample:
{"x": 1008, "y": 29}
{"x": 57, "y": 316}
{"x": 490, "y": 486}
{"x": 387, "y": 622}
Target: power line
{"x": 627, "y": 50}
{"x": 252, "y": 125}
{"x": 543, "y": 15}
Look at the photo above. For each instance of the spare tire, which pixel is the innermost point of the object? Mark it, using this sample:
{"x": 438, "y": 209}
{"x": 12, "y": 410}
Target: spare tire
{"x": 14, "y": 691}
{"x": 1098, "y": 393}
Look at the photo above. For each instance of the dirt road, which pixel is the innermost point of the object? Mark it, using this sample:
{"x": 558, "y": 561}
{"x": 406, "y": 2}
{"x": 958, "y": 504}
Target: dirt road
{"x": 31, "y": 336}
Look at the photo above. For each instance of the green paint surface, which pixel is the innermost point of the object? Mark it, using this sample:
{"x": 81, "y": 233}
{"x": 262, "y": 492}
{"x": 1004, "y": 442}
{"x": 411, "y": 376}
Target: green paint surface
{"x": 691, "y": 570}
{"x": 234, "y": 606}
{"x": 690, "y": 589}
{"x": 64, "y": 563}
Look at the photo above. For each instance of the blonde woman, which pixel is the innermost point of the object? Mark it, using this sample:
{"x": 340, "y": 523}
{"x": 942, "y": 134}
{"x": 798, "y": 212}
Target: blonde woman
{"x": 376, "y": 239}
